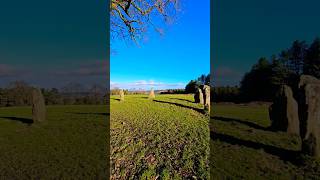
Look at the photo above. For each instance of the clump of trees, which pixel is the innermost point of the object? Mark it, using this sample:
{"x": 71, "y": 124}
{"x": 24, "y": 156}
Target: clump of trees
{"x": 261, "y": 82}
{"x": 266, "y": 76}
{"x": 193, "y": 85}
{"x": 116, "y": 91}
{"x": 226, "y": 94}
{"x": 18, "y": 93}
{"x": 174, "y": 91}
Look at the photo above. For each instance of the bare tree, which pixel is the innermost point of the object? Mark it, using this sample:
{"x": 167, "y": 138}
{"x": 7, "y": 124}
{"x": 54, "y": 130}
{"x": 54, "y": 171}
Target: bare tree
{"x": 131, "y": 18}
{"x": 19, "y": 93}
{"x": 96, "y": 93}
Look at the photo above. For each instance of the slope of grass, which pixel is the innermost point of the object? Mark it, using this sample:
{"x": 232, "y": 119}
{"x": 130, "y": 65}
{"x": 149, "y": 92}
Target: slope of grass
{"x": 242, "y": 147}
{"x": 167, "y": 138}
{"x": 71, "y": 144}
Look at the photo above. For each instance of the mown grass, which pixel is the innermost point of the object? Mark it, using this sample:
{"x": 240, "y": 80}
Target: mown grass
{"x": 72, "y": 144}
{"x": 167, "y": 138}
{"x": 242, "y": 147}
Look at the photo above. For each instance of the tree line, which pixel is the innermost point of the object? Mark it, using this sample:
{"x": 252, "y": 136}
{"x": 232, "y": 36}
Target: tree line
{"x": 19, "y": 93}
{"x": 116, "y": 91}
{"x": 190, "y": 88}
{"x": 267, "y": 75}
{"x": 193, "y": 85}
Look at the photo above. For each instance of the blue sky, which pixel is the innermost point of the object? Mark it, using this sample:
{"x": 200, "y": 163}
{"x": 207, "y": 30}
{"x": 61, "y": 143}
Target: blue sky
{"x": 245, "y": 30}
{"x": 52, "y": 43}
{"x": 168, "y": 61}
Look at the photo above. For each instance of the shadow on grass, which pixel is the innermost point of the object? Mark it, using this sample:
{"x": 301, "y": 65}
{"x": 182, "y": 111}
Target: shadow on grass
{"x": 250, "y": 124}
{"x": 183, "y": 100}
{"x": 117, "y": 99}
{"x": 23, "y": 120}
{"x": 283, "y": 154}
{"x": 181, "y": 105}
{"x": 80, "y": 113}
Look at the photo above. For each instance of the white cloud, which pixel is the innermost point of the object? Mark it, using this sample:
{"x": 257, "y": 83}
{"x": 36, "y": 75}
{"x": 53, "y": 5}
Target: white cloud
{"x": 146, "y": 84}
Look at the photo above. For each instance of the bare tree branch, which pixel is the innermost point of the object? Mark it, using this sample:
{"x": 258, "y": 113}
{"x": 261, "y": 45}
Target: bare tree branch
{"x": 132, "y": 18}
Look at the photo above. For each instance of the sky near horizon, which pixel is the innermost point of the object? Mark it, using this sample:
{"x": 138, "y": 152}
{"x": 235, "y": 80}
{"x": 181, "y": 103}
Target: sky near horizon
{"x": 169, "y": 61}
{"x": 243, "y": 31}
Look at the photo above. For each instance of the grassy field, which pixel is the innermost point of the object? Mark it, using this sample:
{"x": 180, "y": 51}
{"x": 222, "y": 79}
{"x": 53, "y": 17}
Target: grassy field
{"x": 242, "y": 147}
{"x": 167, "y": 138}
{"x": 71, "y": 145}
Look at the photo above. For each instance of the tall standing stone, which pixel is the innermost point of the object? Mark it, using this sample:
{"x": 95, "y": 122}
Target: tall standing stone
{"x": 307, "y": 79}
{"x": 309, "y": 114}
{"x": 38, "y": 106}
{"x": 206, "y": 97}
{"x": 198, "y": 96}
{"x": 284, "y": 112}
{"x": 121, "y": 93}
{"x": 152, "y": 95}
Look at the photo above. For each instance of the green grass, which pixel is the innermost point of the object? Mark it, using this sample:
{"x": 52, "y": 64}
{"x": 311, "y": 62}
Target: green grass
{"x": 167, "y": 138}
{"x": 72, "y": 144}
{"x": 242, "y": 147}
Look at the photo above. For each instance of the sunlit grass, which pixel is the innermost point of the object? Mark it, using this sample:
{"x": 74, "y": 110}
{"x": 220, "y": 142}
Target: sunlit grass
{"x": 165, "y": 138}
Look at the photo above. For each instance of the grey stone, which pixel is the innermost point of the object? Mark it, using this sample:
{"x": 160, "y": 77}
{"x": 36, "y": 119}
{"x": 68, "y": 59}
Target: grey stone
{"x": 307, "y": 79}
{"x": 284, "y": 112}
{"x": 309, "y": 114}
{"x": 152, "y": 95}
{"x": 198, "y": 96}
{"x": 206, "y": 97}
{"x": 38, "y": 106}
{"x": 121, "y": 93}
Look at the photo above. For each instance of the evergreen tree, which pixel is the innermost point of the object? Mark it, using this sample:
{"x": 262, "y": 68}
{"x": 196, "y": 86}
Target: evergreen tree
{"x": 297, "y": 55}
{"x": 192, "y": 86}
{"x": 312, "y": 60}
{"x": 257, "y": 84}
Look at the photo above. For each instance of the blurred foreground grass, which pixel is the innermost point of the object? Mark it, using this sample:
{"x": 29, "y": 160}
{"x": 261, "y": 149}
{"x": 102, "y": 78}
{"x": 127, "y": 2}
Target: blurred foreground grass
{"x": 72, "y": 144}
{"x": 242, "y": 147}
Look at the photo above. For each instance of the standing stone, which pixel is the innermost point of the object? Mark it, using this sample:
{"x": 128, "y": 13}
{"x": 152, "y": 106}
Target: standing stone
{"x": 198, "y": 96}
{"x": 206, "y": 97}
{"x": 307, "y": 79}
{"x": 309, "y": 114}
{"x": 121, "y": 93}
{"x": 284, "y": 112}
{"x": 152, "y": 95}
{"x": 38, "y": 106}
